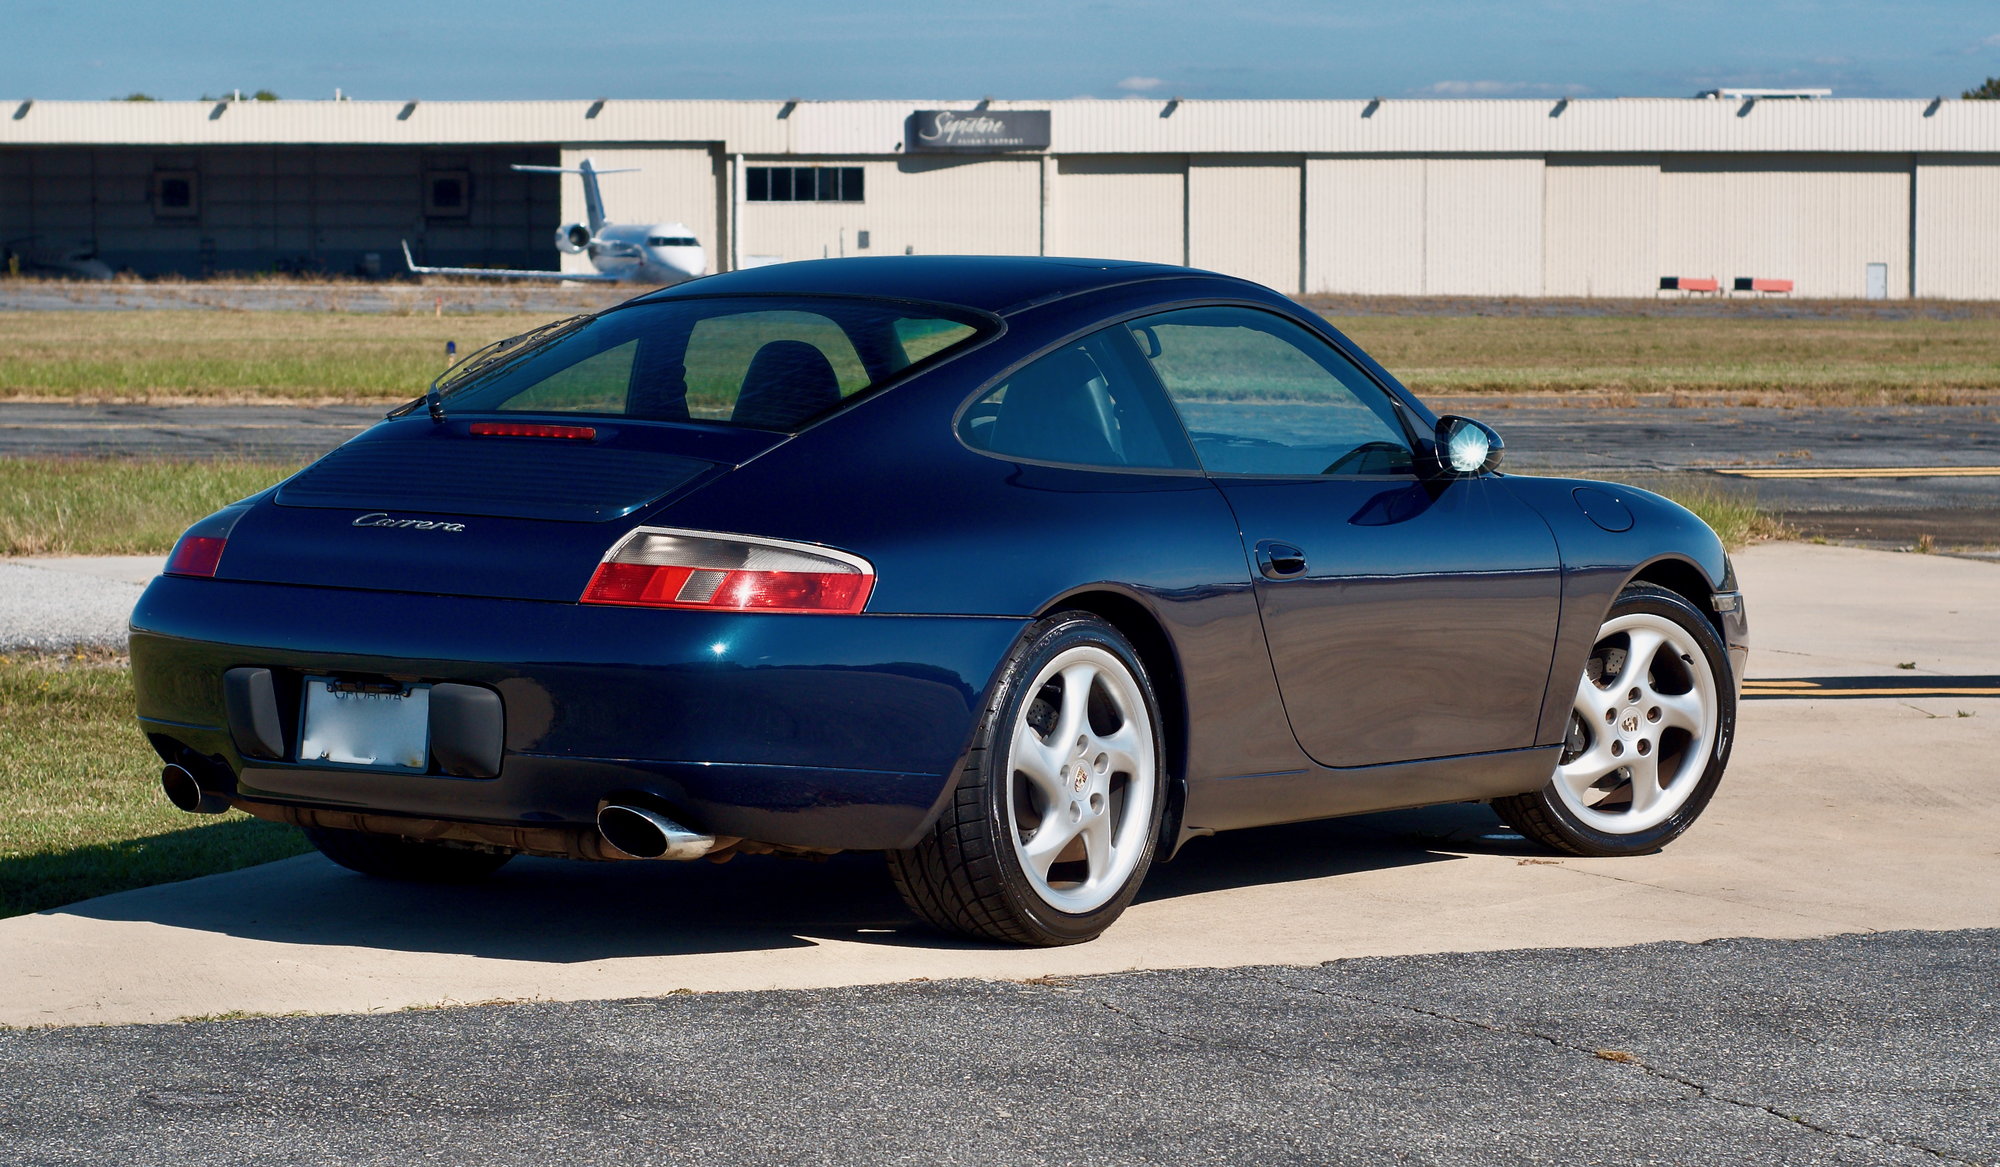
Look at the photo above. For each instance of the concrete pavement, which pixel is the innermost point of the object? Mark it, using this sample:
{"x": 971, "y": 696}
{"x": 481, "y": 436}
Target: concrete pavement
{"x": 1839, "y": 814}
{"x": 59, "y": 602}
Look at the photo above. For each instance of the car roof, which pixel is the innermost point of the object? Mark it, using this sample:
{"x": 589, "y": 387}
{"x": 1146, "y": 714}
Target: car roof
{"x": 991, "y": 283}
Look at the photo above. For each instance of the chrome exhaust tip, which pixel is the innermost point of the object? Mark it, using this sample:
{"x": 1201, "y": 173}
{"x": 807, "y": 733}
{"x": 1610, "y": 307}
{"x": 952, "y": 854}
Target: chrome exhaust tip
{"x": 639, "y": 833}
{"x": 184, "y": 790}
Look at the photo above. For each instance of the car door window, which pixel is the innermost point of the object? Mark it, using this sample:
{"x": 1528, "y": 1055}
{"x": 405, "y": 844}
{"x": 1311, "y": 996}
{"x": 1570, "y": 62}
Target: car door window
{"x": 1262, "y": 395}
{"x": 1089, "y": 403}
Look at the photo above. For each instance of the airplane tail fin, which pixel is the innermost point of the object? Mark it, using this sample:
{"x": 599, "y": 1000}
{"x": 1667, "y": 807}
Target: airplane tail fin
{"x": 593, "y": 199}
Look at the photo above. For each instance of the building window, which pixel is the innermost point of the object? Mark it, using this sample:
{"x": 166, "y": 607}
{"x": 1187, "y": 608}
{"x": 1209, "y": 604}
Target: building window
{"x": 176, "y": 194}
{"x": 447, "y": 194}
{"x": 804, "y": 184}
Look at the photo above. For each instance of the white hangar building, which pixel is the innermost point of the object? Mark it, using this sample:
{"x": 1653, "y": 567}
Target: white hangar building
{"x": 1843, "y": 197}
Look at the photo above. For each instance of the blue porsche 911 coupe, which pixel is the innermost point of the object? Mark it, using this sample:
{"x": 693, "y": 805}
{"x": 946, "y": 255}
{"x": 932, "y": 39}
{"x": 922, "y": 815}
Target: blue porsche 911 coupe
{"x": 1022, "y": 571}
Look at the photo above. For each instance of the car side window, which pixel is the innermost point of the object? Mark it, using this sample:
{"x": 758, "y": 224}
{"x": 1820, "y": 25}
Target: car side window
{"x": 1089, "y": 403}
{"x": 1262, "y": 395}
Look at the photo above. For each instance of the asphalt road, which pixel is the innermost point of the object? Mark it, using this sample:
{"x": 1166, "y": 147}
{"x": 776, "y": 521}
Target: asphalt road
{"x": 1859, "y": 1049}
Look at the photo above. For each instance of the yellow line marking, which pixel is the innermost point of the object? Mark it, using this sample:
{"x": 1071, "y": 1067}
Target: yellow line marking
{"x": 1760, "y": 691}
{"x": 1870, "y": 472}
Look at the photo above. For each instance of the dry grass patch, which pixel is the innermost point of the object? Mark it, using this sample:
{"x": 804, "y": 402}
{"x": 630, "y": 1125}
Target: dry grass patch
{"x": 219, "y": 357}
{"x": 118, "y": 506}
{"x": 1691, "y": 360}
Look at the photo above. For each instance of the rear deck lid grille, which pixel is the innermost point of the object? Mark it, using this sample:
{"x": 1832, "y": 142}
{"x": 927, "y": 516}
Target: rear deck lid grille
{"x": 401, "y": 467}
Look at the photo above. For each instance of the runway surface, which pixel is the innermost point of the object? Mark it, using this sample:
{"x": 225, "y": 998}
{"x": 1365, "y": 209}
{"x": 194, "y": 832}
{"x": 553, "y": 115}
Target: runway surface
{"x": 1840, "y": 472}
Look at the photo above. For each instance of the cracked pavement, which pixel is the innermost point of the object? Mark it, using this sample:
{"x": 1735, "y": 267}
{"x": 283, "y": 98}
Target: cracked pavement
{"x": 1859, "y": 1049}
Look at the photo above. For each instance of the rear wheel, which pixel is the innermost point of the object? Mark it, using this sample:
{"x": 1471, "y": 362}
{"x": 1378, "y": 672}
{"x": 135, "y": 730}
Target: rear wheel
{"x": 1649, "y": 733}
{"x": 394, "y": 857}
{"x": 1059, "y": 800}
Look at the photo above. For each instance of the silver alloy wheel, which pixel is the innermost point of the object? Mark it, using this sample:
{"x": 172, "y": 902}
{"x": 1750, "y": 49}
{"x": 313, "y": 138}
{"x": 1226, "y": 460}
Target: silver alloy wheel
{"x": 1082, "y": 780}
{"x": 1642, "y": 729}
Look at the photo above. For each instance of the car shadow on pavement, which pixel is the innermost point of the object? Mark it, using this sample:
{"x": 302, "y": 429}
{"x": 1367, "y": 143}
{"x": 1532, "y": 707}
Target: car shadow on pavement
{"x": 562, "y": 912}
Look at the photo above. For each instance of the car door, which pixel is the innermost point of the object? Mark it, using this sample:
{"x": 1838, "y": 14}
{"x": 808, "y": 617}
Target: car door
{"x": 1407, "y": 616}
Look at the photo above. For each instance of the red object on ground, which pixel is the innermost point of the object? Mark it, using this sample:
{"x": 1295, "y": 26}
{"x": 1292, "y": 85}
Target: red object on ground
{"x": 1771, "y": 286}
{"x": 1699, "y": 284}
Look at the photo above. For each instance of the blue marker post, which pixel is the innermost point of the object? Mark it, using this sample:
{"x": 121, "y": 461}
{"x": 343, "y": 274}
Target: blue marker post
{"x": 450, "y": 353}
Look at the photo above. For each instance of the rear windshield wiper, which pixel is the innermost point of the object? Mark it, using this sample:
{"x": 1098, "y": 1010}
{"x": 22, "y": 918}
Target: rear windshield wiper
{"x": 499, "y": 352}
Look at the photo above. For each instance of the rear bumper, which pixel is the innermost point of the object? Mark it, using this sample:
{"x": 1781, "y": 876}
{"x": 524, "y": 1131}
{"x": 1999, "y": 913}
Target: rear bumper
{"x": 808, "y": 731}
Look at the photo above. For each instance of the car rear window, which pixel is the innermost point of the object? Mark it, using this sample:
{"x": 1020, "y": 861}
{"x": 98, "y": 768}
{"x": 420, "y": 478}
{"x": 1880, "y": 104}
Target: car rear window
{"x": 766, "y": 362}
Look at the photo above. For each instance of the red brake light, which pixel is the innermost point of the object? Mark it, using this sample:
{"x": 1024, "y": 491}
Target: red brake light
{"x": 657, "y": 568}
{"x": 516, "y": 429}
{"x": 196, "y": 555}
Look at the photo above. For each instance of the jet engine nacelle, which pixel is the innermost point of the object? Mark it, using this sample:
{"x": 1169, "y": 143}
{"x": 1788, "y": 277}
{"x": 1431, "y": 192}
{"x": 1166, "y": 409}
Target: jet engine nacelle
{"x": 572, "y": 238}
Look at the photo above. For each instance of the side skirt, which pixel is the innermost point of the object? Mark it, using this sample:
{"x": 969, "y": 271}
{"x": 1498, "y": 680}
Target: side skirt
{"x": 1291, "y": 796}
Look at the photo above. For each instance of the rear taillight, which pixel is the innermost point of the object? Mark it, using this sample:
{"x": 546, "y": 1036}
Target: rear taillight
{"x": 199, "y": 552}
{"x": 658, "y": 568}
{"x": 196, "y": 555}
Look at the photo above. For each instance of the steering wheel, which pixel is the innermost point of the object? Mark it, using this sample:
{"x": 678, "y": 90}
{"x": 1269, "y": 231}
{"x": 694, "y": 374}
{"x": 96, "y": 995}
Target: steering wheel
{"x": 1387, "y": 452}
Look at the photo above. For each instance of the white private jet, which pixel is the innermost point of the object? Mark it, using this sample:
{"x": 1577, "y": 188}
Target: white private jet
{"x": 660, "y": 253}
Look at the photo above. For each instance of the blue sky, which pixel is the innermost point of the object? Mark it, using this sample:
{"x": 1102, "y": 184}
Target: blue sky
{"x": 1038, "y": 49}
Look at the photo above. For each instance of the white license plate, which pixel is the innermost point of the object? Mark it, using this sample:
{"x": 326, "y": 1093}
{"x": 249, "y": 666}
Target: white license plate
{"x": 344, "y": 727}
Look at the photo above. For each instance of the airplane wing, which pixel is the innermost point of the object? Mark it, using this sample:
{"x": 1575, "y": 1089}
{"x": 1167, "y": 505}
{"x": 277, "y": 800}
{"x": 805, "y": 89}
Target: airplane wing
{"x": 591, "y": 277}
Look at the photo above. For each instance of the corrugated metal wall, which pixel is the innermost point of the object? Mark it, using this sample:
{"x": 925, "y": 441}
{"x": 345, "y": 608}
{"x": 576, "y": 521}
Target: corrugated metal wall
{"x": 1243, "y": 217}
{"x": 1601, "y": 225}
{"x": 1120, "y": 207}
{"x": 1818, "y": 220}
{"x": 1517, "y": 197}
{"x": 1483, "y": 226}
{"x": 1365, "y": 225}
{"x": 1424, "y": 226}
{"x": 1957, "y": 226}
{"x": 982, "y": 205}
{"x": 1515, "y": 126}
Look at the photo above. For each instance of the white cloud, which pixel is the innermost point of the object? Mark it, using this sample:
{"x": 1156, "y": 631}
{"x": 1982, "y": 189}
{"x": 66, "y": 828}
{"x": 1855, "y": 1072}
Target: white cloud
{"x": 1141, "y": 84}
{"x": 1503, "y": 89}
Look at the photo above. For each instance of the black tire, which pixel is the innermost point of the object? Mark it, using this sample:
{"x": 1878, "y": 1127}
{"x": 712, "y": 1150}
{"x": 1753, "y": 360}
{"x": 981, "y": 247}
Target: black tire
{"x": 1546, "y": 817}
{"x": 967, "y": 876}
{"x": 412, "y": 860}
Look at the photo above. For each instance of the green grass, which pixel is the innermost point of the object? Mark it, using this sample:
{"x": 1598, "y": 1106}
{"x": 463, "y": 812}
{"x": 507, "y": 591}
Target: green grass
{"x": 1737, "y": 520}
{"x": 168, "y": 356}
{"x": 1760, "y": 359}
{"x": 117, "y": 506}
{"x": 81, "y": 812}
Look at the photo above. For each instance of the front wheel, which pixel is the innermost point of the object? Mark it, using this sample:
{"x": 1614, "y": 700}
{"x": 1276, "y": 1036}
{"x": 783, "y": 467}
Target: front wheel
{"x": 1059, "y": 800}
{"x": 1649, "y": 733}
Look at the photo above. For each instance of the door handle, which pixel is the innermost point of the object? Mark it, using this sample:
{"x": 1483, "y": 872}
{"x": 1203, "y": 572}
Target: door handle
{"x": 1280, "y": 560}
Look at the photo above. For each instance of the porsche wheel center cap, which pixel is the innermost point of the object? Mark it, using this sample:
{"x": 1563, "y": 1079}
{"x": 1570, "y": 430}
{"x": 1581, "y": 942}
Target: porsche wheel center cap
{"x": 1081, "y": 778}
{"x": 1629, "y": 722}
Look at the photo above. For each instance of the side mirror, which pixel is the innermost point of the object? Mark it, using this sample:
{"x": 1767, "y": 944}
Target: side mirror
{"x": 1465, "y": 446}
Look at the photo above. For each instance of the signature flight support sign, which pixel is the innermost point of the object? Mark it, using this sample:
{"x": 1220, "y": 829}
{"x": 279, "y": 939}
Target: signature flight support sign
{"x": 978, "y": 130}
